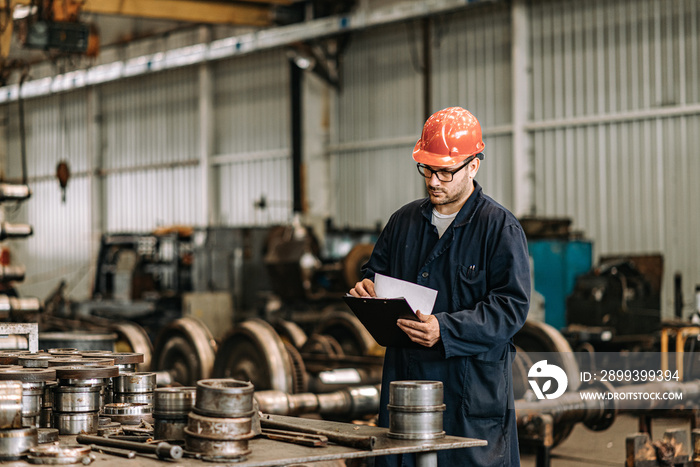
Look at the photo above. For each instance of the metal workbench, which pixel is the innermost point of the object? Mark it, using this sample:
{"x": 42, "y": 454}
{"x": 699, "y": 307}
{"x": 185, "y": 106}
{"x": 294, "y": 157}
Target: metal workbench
{"x": 265, "y": 452}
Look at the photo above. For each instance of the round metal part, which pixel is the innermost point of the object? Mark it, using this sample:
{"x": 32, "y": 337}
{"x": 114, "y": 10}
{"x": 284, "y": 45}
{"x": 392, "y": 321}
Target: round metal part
{"x": 128, "y": 414}
{"x": 405, "y": 394}
{"x": 353, "y": 261}
{"x": 133, "y": 398}
{"x": 82, "y": 372}
{"x": 32, "y": 394}
{"x": 74, "y": 423}
{"x": 14, "y": 442}
{"x": 132, "y": 338}
{"x": 46, "y": 417}
{"x": 111, "y": 428}
{"x": 217, "y": 449}
{"x": 174, "y": 401}
{"x": 255, "y": 352}
{"x": 139, "y": 382}
{"x": 349, "y": 332}
{"x": 416, "y": 410}
{"x": 120, "y": 358}
{"x": 77, "y": 340}
{"x": 81, "y": 361}
{"x": 536, "y": 337}
{"x": 35, "y": 360}
{"x": 169, "y": 428}
{"x": 415, "y": 425}
{"x": 102, "y": 382}
{"x": 58, "y": 454}
{"x": 47, "y": 435}
{"x": 27, "y": 375}
{"x": 186, "y": 349}
{"x": 64, "y": 352}
{"x": 224, "y": 398}
{"x": 289, "y": 332}
{"x": 77, "y": 399}
{"x": 320, "y": 344}
{"x": 10, "y": 404}
{"x": 216, "y": 428}
{"x": 9, "y": 357}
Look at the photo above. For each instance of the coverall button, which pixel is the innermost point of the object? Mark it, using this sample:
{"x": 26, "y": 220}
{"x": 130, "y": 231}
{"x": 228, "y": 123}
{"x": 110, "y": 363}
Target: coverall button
{"x": 425, "y": 274}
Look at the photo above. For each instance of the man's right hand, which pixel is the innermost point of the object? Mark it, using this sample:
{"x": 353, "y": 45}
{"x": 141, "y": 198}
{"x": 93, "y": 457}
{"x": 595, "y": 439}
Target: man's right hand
{"x": 364, "y": 288}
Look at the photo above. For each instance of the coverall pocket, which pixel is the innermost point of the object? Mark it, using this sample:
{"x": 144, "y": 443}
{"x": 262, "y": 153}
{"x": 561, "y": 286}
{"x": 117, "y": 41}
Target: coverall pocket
{"x": 485, "y": 389}
{"x": 469, "y": 286}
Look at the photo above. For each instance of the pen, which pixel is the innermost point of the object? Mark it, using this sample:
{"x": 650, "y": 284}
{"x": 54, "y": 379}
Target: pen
{"x": 470, "y": 271}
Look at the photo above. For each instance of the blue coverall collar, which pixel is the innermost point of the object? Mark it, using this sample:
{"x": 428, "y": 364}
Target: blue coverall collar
{"x": 465, "y": 214}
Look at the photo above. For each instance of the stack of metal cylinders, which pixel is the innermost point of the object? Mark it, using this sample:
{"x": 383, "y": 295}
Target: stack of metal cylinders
{"x": 416, "y": 410}
{"x": 129, "y": 413}
{"x": 79, "y": 395}
{"x": 135, "y": 387}
{"x": 15, "y": 439}
{"x": 33, "y": 381}
{"x": 126, "y": 362}
{"x": 171, "y": 407}
{"x": 221, "y": 422}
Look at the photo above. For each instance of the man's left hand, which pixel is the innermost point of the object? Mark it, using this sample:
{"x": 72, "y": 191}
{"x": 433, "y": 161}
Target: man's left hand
{"x": 426, "y": 332}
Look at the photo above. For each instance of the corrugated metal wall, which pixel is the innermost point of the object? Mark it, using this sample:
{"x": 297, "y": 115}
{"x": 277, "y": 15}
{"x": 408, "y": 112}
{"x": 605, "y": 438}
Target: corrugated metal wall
{"x": 614, "y": 126}
{"x": 379, "y": 114}
{"x": 252, "y": 139}
{"x": 471, "y": 67}
{"x": 150, "y": 140}
{"x": 55, "y": 131}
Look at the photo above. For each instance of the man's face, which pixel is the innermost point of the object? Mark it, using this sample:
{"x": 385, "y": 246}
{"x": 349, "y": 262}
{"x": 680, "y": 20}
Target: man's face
{"x": 453, "y": 193}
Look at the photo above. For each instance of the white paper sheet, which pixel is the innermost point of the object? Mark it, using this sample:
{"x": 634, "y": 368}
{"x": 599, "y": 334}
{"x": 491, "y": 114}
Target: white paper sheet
{"x": 418, "y": 297}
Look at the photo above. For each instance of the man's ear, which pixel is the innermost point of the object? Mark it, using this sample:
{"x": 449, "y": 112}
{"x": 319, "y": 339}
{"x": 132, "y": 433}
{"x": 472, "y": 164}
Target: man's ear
{"x": 474, "y": 167}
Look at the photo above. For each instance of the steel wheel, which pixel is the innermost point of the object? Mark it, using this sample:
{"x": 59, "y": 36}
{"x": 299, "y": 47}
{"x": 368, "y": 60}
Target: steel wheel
{"x": 185, "y": 349}
{"x": 255, "y": 352}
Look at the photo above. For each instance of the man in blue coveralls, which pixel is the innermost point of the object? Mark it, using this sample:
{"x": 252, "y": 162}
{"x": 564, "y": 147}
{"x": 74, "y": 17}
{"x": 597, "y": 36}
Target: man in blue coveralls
{"x": 474, "y": 252}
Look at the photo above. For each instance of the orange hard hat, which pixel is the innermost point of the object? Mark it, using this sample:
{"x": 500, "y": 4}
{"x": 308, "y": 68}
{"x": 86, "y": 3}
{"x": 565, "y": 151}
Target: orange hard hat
{"x": 449, "y": 137}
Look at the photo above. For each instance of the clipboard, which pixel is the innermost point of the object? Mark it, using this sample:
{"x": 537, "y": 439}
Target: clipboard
{"x": 379, "y": 315}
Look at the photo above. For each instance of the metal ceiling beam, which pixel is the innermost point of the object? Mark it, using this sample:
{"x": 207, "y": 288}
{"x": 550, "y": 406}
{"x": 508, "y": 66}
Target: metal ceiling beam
{"x": 233, "y": 46}
{"x": 210, "y": 12}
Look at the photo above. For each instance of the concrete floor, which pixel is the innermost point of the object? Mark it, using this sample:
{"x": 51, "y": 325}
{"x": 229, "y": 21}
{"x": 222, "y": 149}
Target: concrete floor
{"x": 585, "y": 448}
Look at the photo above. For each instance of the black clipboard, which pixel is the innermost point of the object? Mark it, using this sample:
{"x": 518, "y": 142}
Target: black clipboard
{"x": 379, "y": 316}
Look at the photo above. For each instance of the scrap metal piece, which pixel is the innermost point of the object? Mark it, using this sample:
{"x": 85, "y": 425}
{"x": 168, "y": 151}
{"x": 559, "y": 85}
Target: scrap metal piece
{"x": 57, "y": 454}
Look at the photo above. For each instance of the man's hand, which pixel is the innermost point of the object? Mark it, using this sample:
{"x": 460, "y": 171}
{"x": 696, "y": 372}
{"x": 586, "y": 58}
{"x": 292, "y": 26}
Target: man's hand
{"x": 364, "y": 288}
{"x": 426, "y": 332}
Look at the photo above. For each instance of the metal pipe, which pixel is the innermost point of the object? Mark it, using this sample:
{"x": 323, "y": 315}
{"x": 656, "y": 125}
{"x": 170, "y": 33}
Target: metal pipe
{"x": 162, "y": 450}
{"x": 349, "y": 402}
{"x": 354, "y": 441}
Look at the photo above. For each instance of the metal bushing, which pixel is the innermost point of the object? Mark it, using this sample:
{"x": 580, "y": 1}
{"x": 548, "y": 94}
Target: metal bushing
{"x": 9, "y": 357}
{"x": 74, "y": 423}
{"x": 227, "y": 398}
{"x": 215, "y": 428}
{"x": 177, "y": 402}
{"x": 120, "y": 358}
{"x": 214, "y": 450}
{"x": 139, "y": 382}
{"x": 169, "y": 428}
{"x": 416, "y": 410}
{"x": 77, "y": 399}
{"x": 47, "y": 435}
{"x": 82, "y": 372}
{"x": 10, "y": 404}
{"x": 27, "y": 375}
{"x": 40, "y": 360}
{"x": 32, "y": 395}
{"x": 59, "y": 454}
{"x": 133, "y": 398}
{"x": 14, "y": 442}
{"x": 64, "y": 351}
{"x": 46, "y": 417}
{"x": 81, "y": 361}
{"x": 111, "y": 428}
{"x": 102, "y": 382}
{"x": 128, "y": 414}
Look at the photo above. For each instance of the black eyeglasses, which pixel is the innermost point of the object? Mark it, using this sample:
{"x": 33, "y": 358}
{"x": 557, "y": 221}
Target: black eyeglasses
{"x": 442, "y": 175}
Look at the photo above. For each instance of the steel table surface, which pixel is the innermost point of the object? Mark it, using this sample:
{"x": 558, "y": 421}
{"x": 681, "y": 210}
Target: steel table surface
{"x": 265, "y": 452}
